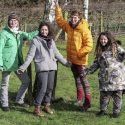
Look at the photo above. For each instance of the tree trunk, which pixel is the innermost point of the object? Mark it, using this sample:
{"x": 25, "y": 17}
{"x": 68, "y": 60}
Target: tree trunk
{"x": 85, "y": 8}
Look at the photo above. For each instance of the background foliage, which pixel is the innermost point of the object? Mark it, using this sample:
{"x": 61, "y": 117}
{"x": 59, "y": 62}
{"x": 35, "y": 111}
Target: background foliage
{"x": 103, "y": 14}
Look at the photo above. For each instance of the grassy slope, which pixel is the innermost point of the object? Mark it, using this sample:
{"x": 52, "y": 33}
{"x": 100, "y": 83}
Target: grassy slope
{"x": 65, "y": 113}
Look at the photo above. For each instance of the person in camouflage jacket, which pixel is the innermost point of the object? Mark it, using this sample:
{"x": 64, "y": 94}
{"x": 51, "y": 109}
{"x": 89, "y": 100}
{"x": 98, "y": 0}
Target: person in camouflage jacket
{"x": 109, "y": 59}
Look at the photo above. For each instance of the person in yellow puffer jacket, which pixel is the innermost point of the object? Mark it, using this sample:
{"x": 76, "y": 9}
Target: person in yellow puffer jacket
{"x": 79, "y": 45}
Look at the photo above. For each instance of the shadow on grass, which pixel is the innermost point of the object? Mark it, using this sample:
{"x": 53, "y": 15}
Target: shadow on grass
{"x": 69, "y": 106}
{"x": 13, "y": 106}
{"x": 12, "y": 97}
{"x": 65, "y": 105}
{"x": 62, "y": 105}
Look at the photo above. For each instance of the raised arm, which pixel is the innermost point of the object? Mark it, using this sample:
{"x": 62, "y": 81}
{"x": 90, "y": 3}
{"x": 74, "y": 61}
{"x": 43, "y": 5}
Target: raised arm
{"x": 62, "y": 23}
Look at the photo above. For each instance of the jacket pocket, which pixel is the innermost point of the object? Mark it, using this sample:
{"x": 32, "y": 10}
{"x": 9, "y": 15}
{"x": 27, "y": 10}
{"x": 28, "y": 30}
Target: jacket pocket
{"x": 54, "y": 59}
{"x": 39, "y": 59}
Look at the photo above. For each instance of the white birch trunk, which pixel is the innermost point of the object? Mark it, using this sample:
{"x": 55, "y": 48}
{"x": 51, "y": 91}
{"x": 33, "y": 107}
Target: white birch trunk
{"x": 49, "y": 12}
{"x": 52, "y": 11}
{"x": 85, "y": 8}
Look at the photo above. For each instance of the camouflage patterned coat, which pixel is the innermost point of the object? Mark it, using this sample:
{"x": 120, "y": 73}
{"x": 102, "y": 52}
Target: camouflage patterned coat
{"x": 112, "y": 70}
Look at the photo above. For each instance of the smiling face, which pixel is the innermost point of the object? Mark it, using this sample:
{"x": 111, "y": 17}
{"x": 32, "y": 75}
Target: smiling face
{"x": 103, "y": 40}
{"x": 44, "y": 31}
{"x": 74, "y": 19}
{"x": 14, "y": 23}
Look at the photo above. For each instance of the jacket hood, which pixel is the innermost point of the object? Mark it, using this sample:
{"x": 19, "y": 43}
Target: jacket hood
{"x": 83, "y": 23}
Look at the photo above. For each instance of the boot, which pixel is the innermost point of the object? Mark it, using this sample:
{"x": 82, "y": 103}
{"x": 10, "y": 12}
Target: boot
{"x": 38, "y": 112}
{"x": 101, "y": 113}
{"x": 87, "y": 103}
{"x": 48, "y": 109}
{"x": 115, "y": 115}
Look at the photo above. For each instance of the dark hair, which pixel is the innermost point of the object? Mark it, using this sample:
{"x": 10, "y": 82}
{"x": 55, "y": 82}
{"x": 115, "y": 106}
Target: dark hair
{"x": 50, "y": 34}
{"x": 111, "y": 42}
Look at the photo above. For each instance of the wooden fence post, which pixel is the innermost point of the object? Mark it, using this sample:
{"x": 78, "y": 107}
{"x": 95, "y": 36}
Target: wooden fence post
{"x": 30, "y": 96}
{"x": 55, "y": 83}
{"x": 101, "y": 21}
{"x": 29, "y": 72}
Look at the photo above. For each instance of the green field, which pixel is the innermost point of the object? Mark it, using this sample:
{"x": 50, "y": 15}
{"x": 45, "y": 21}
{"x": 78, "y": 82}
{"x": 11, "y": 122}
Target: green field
{"x": 65, "y": 113}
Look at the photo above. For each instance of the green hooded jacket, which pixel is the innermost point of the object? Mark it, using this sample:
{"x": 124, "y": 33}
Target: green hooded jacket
{"x": 11, "y": 48}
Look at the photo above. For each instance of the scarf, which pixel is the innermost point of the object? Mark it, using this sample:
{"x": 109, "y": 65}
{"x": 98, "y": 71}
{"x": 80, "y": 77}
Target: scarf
{"x": 48, "y": 40}
{"x": 15, "y": 30}
{"x": 74, "y": 25}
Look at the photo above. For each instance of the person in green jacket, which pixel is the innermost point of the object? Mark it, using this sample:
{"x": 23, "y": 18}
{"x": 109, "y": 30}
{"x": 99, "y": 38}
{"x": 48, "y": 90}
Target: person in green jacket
{"x": 11, "y": 58}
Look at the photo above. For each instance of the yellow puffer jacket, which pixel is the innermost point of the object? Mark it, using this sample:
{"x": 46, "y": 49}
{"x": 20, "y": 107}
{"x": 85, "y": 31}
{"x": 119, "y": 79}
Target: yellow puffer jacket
{"x": 80, "y": 41}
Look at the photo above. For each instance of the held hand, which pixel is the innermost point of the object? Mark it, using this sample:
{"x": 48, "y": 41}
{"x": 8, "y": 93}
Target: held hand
{"x": 68, "y": 64}
{"x": 84, "y": 72}
{"x": 1, "y": 68}
{"x": 20, "y": 71}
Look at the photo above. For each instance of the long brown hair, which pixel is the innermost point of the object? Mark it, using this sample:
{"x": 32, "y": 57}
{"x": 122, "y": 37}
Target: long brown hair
{"x": 111, "y": 42}
{"x": 50, "y": 34}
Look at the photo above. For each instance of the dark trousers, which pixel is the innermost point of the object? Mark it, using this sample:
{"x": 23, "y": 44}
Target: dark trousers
{"x": 45, "y": 82}
{"x": 105, "y": 98}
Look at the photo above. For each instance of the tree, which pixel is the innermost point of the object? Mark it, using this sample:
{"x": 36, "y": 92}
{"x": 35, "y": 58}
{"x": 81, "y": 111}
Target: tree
{"x": 49, "y": 12}
{"x": 85, "y": 8}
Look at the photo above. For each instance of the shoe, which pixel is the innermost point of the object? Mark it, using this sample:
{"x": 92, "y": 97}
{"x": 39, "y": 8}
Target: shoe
{"x": 115, "y": 115}
{"x": 86, "y": 106}
{"x": 48, "y": 109}
{"x": 101, "y": 113}
{"x": 24, "y": 105}
{"x": 6, "y": 109}
{"x": 38, "y": 112}
{"x": 78, "y": 103}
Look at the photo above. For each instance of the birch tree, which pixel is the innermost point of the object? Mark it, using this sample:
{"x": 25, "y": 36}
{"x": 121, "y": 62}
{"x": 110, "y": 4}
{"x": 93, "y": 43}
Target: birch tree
{"x": 49, "y": 12}
{"x": 85, "y": 8}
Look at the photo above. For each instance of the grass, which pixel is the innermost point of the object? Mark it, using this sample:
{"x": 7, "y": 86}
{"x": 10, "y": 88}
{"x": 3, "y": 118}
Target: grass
{"x": 65, "y": 113}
